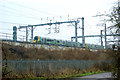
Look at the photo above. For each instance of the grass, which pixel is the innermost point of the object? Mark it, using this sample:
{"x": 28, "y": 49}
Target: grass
{"x": 63, "y": 77}
{"x": 80, "y": 75}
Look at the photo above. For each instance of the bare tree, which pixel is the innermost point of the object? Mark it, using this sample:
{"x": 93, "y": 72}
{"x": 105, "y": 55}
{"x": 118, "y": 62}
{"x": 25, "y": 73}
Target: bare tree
{"x": 114, "y": 18}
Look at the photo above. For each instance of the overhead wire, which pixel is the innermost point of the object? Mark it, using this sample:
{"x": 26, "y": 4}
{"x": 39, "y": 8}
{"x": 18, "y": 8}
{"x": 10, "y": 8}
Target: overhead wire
{"x": 30, "y": 8}
{"x": 12, "y": 23}
{"x": 13, "y": 9}
{"x": 6, "y": 29}
{"x": 3, "y": 34}
{"x": 21, "y": 15}
{"x": 18, "y": 14}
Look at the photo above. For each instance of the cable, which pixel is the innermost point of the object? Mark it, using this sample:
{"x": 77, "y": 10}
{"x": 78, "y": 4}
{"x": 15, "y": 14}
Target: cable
{"x": 22, "y": 31}
{"x": 10, "y": 34}
{"x": 12, "y": 23}
{"x": 5, "y": 29}
{"x": 15, "y": 10}
{"x": 6, "y": 33}
{"x": 21, "y": 15}
{"x": 18, "y": 12}
{"x": 30, "y": 8}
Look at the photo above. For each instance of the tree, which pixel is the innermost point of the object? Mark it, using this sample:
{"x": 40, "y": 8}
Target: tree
{"x": 114, "y": 18}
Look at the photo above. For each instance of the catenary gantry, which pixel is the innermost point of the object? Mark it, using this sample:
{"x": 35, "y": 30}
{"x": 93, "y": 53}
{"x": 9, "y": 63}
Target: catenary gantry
{"x": 54, "y": 23}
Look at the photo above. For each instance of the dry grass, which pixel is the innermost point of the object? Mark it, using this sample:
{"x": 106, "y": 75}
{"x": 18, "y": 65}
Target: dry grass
{"x": 50, "y": 74}
{"x": 19, "y": 52}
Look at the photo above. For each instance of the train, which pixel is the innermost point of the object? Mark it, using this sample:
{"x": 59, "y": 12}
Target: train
{"x": 55, "y": 42}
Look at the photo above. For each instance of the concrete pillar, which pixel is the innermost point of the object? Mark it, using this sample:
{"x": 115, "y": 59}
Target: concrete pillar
{"x": 101, "y": 39}
{"x": 83, "y": 38}
{"x": 26, "y": 34}
{"x": 75, "y": 34}
{"x": 31, "y": 32}
{"x": 105, "y": 38}
{"x": 14, "y": 33}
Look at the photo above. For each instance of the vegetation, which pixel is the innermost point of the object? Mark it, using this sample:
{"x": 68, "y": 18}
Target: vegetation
{"x": 114, "y": 18}
{"x": 68, "y": 77}
{"x": 12, "y": 52}
{"x": 19, "y": 52}
{"x": 72, "y": 76}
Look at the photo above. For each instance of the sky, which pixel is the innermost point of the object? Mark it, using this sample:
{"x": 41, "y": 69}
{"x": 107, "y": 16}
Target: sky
{"x": 23, "y": 12}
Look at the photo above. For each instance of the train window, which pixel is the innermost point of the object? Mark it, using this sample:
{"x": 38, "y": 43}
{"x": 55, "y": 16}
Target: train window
{"x": 69, "y": 42}
{"x": 42, "y": 39}
{"x": 45, "y": 39}
{"x": 48, "y": 39}
{"x": 58, "y": 41}
{"x": 36, "y": 38}
{"x": 63, "y": 42}
{"x": 52, "y": 40}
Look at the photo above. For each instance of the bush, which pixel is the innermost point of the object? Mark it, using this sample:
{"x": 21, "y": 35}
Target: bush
{"x": 19, "y": 52}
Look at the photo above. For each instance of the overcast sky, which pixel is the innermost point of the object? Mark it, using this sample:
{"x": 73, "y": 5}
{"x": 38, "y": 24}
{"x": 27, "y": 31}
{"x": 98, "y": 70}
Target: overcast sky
{"x": 24, "y": 12}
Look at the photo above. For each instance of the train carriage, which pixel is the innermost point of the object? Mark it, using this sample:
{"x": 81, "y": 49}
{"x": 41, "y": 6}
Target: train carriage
{"x": 58, "y": 42}
{"x": 49, "y": 41}
{"x": 63, "y": 43}
{"x": 79, "y": 46}
{"x": 68, "y": 44}
{"x": 89, "y": 46}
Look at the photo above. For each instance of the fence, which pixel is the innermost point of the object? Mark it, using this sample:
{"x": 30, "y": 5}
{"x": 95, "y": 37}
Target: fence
{"x": 8, "y": 36}
{"x": 47, "y": 66}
